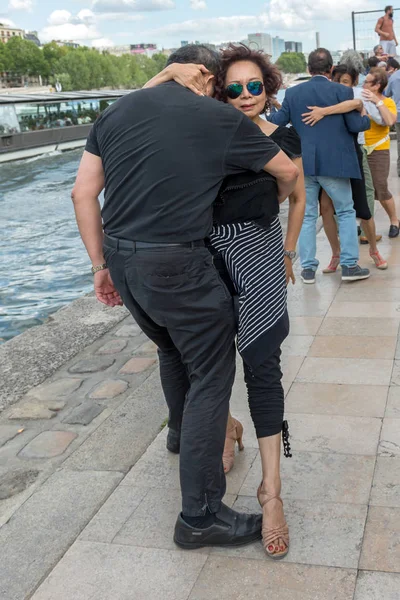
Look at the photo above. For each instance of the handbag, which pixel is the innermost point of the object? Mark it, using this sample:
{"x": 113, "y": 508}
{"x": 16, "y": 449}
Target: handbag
{"x": 372, "y": 147}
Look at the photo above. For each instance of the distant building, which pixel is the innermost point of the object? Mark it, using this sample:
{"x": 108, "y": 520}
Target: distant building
{"x": 146, "y": 49}
{"x": 68, "y": 43}
{"x": 32, "y": 36}
{"x": 184, "y": 43}
{"x": 260, "y": 41}
{"x": 336, "y": 56}
{"x": 278, "y": 48}
{"x": 290, "y": 47}
{"x": 299, "y": 46}
{"x": 7, "y": 32}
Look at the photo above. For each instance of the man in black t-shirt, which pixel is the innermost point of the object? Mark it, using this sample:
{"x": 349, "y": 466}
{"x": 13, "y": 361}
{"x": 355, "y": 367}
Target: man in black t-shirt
{"x": 161, "y": 154}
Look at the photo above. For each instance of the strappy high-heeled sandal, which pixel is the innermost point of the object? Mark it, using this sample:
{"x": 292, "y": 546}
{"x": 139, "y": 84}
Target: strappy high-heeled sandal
{"x": 270, "y": 534}
{"x": 233, "y": 435}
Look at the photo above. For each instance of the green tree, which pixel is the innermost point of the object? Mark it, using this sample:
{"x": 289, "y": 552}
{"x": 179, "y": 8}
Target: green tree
{"x": 75, "y": 65}
{"x": 292, "y": 62}
{"x": 52, "y": 54}
{"x": 25, "y": 58}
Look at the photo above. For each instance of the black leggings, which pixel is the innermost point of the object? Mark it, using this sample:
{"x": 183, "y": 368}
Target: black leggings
{"x": 266, "y": 395}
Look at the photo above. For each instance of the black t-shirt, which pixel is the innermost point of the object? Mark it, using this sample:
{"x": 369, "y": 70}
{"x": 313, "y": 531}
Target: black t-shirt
{"x": 165, "y": 152}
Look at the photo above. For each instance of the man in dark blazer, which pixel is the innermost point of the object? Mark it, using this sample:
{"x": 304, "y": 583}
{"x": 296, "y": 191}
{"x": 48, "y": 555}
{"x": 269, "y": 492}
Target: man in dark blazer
{"x": 329, "y": 159}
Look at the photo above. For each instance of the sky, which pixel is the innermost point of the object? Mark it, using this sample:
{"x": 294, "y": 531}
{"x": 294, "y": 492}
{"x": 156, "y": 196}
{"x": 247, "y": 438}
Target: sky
{"x": 167, "y": 22}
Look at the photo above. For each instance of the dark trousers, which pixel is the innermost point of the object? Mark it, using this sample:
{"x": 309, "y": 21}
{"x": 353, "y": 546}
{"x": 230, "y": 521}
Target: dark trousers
{"x": 178, "y": 299}
{"x": 266, "y": 395}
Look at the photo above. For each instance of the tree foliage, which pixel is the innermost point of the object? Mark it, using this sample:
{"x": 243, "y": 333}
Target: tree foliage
{"x": 292, "y": 62}
{"x": 78, "y": 68}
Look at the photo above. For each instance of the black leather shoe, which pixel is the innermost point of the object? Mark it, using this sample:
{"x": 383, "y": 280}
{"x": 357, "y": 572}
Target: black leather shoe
{"x": 230, "y": 529}
{"x": 174, "y": 441}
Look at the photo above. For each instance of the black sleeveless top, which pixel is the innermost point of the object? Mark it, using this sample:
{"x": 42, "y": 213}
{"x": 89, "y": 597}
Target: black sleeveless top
{"x": 254, "y": 196}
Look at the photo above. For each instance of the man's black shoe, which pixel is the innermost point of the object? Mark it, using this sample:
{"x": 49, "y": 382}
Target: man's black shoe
{"x": 231, "y": 528}
{"x": 174, "y": 441}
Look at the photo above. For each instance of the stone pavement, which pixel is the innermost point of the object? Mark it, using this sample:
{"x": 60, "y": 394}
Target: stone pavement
{"x": 88, "y": 500}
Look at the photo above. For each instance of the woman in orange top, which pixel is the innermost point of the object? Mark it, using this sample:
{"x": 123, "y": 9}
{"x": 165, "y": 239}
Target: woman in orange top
{"x": 377, "y": 143}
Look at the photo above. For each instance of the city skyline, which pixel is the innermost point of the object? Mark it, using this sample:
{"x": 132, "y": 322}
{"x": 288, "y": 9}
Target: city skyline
{"x": 168, "y": 22}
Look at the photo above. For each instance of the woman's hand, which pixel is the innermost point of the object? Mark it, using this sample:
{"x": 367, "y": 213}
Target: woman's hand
{"x": 193, "y": 77}
{"x": 289, "y": 271}
{"x": 316, "y": 114}
{"x": 371, "y": 97}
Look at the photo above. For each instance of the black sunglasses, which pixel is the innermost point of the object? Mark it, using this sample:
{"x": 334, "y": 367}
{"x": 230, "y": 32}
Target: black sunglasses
{"x": 255, "y": 88}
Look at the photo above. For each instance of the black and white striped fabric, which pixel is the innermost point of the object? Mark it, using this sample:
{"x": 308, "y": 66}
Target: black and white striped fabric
{"x": 255, "y": 261}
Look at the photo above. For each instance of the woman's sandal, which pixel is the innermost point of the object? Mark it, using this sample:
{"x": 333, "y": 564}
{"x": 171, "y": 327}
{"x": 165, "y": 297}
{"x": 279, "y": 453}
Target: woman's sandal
{"x": 233, "y": 435}
{"x": 270, "y": 534}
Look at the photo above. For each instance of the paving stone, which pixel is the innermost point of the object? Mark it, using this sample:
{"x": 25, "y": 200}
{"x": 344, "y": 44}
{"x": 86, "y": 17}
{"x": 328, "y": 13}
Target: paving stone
{"x": 113, "y": 514}
{"x": 320, "y": 534}
{"x": 92, "y": 365}
{"x": 393, "y": 403}
{"x": 297, "y": 345}
{"x": 123, "y": 437}
{"x": 152, "y": 524}
{"x": 353, "y": 371}
{"x": 130, "y": 330}
{"x": 386, "y": 485}
{"x": 110, "y": 388}
{"x": 320, "y": 477}
{"x": 40, "y": 532}
{"x": 225, "y": 578}
{"x": 389, "y": 444}
{"x": 16, "y": 481}
{"x": 48, "y": 444}
{"x": 149, "y": 347}
{"x": 35, "y": 409}
{"x": 136, "y": 365}
{"x": 113, "y": 347}
{"x": 106, "y": 571}
{"x": 7, "y": 433}
{"x": 84, "y": 414}
{"x": 377, "y": 586}
{"x": 381, "y": 547}
{"x": 337, "y": 399}
{"x": 56, "y": 389}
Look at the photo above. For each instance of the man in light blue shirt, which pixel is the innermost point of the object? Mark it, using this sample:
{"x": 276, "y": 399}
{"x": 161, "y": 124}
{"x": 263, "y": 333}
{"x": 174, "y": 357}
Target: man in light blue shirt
{"x": 393, "y": 91}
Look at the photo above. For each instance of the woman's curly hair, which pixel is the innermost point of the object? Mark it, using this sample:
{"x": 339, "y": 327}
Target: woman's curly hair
{"x": 271, "y": 75}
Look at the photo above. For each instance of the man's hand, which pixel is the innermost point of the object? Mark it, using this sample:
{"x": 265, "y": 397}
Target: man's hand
{"x": 316, "y": 114}
{"x": 105, "y": 290}
{"x": 193, "y": 77}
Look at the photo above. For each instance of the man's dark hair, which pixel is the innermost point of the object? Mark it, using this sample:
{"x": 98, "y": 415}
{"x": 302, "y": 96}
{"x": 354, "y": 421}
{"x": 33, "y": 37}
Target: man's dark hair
{"x": 320, "y": 62}
{"x": 388, "y": 7}
{"x": 197, "y": 54}
{"x": 373, "y": 61}
{"x": 392, "y": 62}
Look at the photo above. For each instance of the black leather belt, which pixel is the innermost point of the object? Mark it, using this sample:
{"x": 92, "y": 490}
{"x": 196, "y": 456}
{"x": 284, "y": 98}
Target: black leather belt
{"x": 129, "y": 245}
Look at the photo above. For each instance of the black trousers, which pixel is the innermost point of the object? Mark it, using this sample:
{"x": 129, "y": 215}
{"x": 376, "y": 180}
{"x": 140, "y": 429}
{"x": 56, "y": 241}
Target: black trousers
{"x": 178, "y": 299}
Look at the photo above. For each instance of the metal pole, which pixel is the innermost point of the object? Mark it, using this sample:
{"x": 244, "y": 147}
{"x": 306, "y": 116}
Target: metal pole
{"x": 354, "y": 30}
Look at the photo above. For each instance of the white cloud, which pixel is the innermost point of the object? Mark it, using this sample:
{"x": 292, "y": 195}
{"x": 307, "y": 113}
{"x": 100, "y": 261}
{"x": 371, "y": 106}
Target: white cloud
{"x": 126, "y": 6}
{"x": 198, "y": 4}
{"x": 102, "y": 43}
{"x": 20, "y": 5}
{"x": 118, "y": 17}
{"x": 287, "y": 15}
{"x": 62, "y": 25}
{"x": 7, "y": 21}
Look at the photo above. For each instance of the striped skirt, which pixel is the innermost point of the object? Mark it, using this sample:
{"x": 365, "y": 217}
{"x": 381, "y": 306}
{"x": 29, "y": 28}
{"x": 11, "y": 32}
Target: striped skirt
{"x": 255, "y": 261}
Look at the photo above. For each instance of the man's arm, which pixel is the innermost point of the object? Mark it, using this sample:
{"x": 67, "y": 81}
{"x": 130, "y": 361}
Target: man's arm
{"x": 282, "y": 116}
{"x": 285, "y": 172}
{"x": 378, "y": 29}
{"x": 354, "y": 122}
{"x": 85, "y": 196}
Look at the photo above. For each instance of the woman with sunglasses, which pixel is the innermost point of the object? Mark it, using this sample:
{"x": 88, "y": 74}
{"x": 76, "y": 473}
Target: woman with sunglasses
{"x": 247, "y": 235}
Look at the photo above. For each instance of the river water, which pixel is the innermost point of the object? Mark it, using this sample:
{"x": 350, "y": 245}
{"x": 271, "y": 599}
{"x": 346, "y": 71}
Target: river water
{"x": 43, "y": 262}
